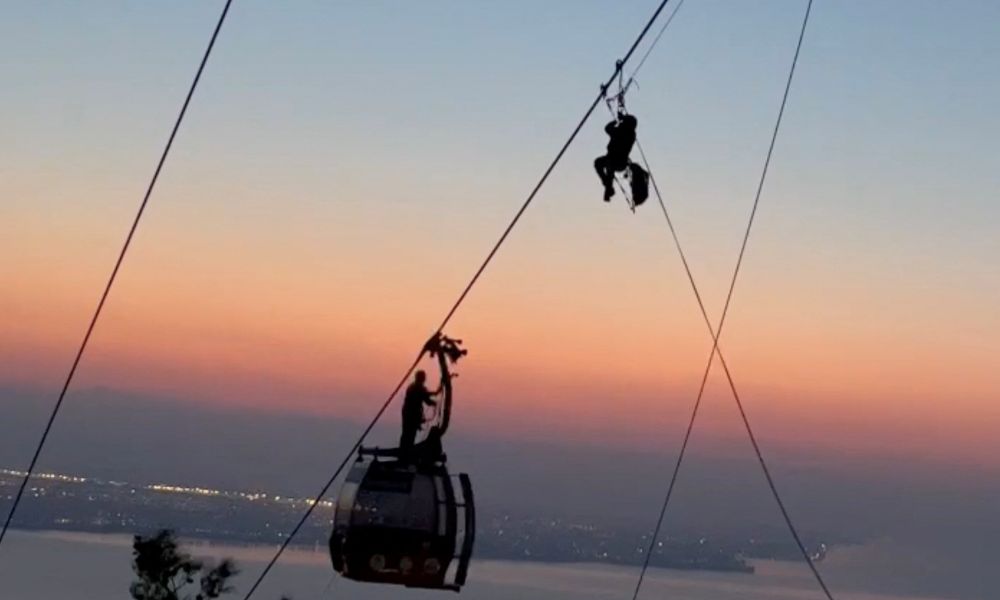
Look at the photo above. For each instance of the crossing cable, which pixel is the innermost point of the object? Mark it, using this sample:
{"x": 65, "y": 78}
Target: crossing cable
{"x": 717, "y": 351}
{"x": 619, "y": 65}
{"x": 114, "y": 271}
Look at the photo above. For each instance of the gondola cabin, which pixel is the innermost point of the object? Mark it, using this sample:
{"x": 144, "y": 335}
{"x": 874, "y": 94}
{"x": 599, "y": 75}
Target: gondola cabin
{"x": 404, "y": 524}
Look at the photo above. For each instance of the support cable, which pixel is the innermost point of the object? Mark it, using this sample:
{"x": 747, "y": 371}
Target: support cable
{"x": 652, "y": 46}
{"x": 114, "y": 273}
{"x": 619, "y": 65}
{"x": 717, "y": 351}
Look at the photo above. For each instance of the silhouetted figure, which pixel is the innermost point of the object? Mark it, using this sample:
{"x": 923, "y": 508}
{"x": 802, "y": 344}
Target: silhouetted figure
{"x": 417, "y": 396}
{"x": 622, "y": 134}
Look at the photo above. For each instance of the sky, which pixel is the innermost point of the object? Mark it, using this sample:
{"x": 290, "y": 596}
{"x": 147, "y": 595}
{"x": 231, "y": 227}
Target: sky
{"x": 345, "y": 167}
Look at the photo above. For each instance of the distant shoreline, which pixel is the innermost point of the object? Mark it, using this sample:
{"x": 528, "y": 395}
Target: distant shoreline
{"x": 311, "y": 554}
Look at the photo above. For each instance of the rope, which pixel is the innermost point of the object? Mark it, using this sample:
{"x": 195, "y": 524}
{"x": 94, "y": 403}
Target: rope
{"x": 715, "y": 344}
{"x": 461, "y": 298}
{"x": 114, "y": 273}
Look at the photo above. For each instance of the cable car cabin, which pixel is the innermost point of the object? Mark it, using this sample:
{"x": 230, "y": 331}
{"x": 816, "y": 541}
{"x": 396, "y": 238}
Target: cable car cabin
{"x": 401, "y": 517}
{"x": 401, "y": 523}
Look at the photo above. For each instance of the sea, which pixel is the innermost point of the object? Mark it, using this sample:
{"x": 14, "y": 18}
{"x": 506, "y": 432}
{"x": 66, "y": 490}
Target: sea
{"x": 81, "y": 566}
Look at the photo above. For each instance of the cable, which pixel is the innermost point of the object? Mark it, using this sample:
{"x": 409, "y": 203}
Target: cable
{"x": 652, "y": 45}
{"x": 461, "y": 298}
{"x": 715, "y": 343}
{"x": 114, "y": 272}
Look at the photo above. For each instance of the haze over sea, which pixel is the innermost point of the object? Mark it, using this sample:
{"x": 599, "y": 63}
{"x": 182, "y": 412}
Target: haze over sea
{"x": 96, "y": 567}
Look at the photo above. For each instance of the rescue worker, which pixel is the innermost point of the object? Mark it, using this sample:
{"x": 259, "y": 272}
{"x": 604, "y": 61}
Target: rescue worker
{"x": 417, "y": 396}
{"x": 616, "y": 160}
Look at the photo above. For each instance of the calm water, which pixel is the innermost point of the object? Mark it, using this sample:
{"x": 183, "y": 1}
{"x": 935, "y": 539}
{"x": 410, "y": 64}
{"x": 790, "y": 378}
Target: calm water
{"x": 59, "y": 566}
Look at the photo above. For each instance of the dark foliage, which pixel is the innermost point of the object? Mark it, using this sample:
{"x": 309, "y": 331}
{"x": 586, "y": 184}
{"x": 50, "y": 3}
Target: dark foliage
{"x": 164, "y": 572}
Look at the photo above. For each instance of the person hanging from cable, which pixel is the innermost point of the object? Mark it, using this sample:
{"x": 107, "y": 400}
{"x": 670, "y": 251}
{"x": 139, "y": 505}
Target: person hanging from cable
{"x": 417, "y": 396}
{"x": 622, "y": 132}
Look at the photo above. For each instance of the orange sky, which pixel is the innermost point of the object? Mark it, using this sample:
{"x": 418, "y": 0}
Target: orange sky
{"x": 616, "y": 343}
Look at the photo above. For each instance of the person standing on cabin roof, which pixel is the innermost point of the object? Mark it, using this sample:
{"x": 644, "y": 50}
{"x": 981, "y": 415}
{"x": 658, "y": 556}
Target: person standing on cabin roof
{"x": 622, "y": 134}
{"x": 417, "y": 396}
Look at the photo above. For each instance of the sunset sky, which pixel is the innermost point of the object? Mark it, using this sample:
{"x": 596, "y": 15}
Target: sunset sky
{"x": 345, "y": 167}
